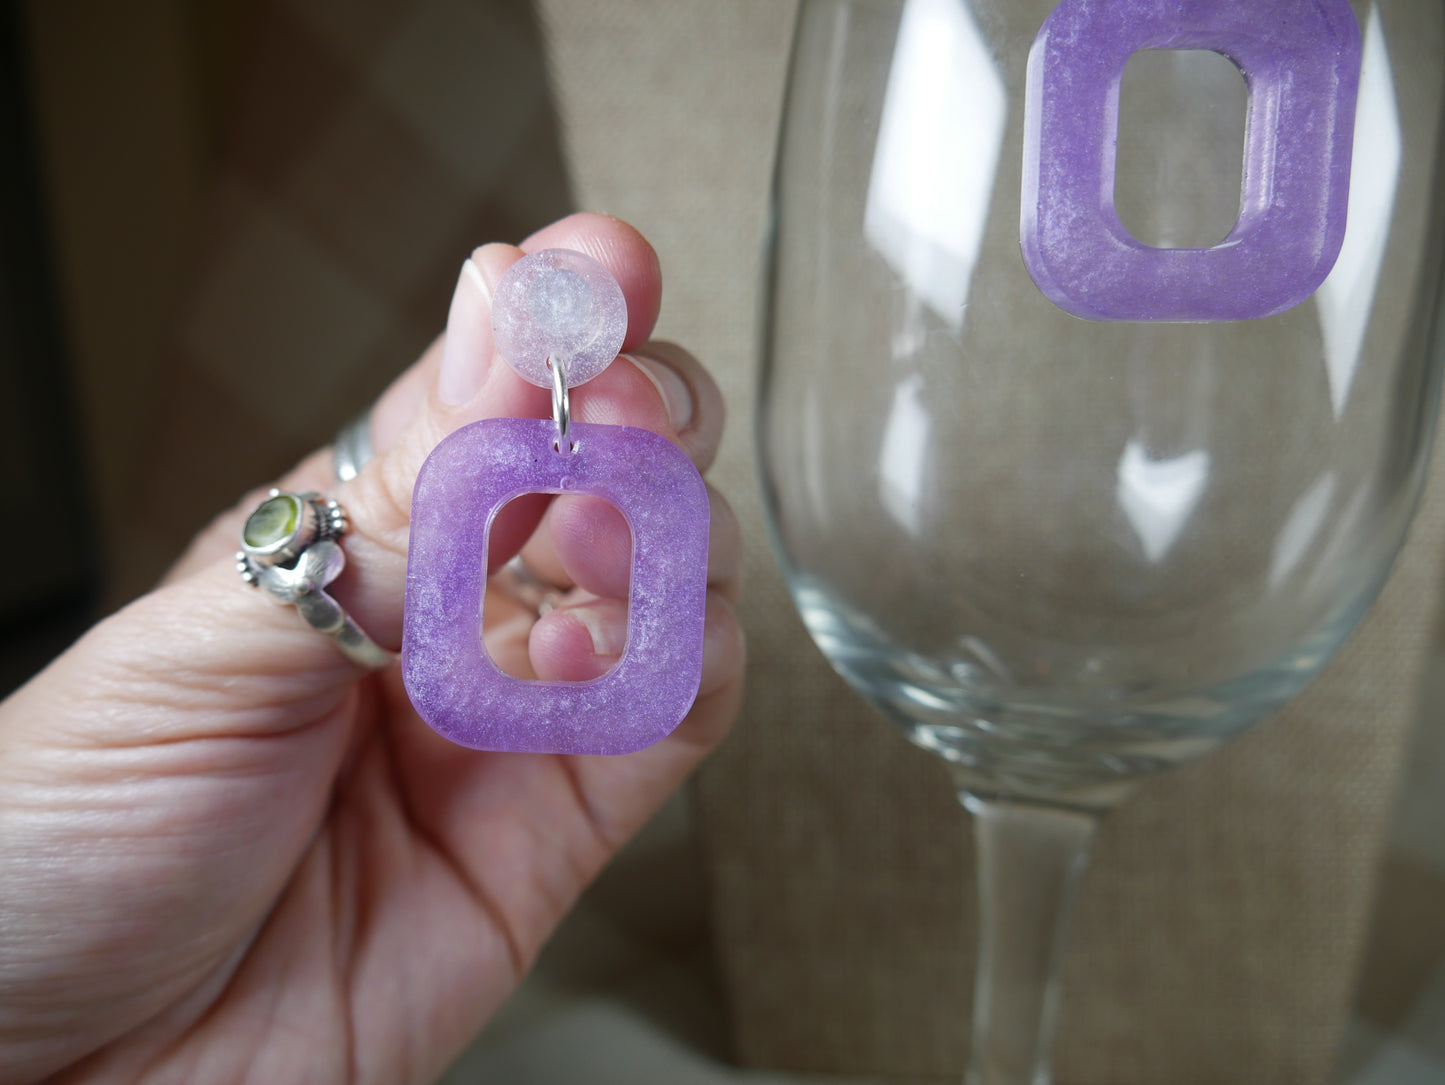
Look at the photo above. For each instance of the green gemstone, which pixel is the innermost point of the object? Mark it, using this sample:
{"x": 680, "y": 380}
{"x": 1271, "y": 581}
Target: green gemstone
{"x": 274, "y": 521}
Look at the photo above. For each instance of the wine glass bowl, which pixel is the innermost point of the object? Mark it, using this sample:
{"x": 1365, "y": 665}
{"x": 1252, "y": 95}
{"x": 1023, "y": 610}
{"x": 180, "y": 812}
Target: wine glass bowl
{"x": 1062, "y": 553}
{"x": 1064, "y": 574}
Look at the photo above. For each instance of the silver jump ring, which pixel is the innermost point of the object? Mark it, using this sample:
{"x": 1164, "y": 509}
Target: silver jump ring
{"x": 561, "y": 404}
{"x": 290, "y": 550}
{"x": 351, "y": 451}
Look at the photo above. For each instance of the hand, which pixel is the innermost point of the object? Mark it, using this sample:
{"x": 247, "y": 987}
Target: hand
{"x": 227, "y": 855}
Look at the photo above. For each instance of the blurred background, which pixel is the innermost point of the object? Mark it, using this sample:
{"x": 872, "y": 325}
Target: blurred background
{"x": 227, "y": 227}
{"x": 224, "y": 227}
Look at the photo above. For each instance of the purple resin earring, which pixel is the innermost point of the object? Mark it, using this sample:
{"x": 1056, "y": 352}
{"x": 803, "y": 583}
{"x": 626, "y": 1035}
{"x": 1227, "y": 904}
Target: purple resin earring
{"x": 1302, "y": 61}
{"x": 559, "y": 319}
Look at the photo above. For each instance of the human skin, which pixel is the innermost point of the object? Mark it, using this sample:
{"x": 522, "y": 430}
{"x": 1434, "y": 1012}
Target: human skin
{"x": 227, "y": 855}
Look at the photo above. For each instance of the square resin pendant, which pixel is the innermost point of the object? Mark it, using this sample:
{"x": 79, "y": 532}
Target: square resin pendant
{"x": 449, "y": 676}
{"x": 1301, "y": 59}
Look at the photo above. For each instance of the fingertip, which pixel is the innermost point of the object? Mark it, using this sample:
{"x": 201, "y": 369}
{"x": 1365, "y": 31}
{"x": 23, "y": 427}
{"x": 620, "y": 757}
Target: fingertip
{"x": 724, "y": 547}
{"x": 724, "y": 647}
{"x": 584, "y": 641}
{"x": 593, "y": 542}
{"x": 491, "y": 262}
{"x": 707, "y": 413}
{"x": 578, "y": 643}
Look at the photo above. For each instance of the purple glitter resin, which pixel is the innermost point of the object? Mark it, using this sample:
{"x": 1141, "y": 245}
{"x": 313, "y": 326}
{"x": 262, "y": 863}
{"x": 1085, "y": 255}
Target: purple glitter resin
{"x": 452, "y": 681}
{"x": 1301, "y": 59}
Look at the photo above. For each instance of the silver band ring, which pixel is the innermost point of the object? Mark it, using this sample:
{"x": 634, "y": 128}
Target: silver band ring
{"x": 290, "y": 550}
{"x": 352, "y": 449}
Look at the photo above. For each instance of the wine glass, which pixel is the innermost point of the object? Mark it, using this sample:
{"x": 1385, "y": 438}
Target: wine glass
{"x": 1066, "y": 533}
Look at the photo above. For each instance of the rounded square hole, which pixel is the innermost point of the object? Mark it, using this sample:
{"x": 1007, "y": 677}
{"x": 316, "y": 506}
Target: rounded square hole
{"x": 1178, "y": 167}
{"x": 578, "y": 535}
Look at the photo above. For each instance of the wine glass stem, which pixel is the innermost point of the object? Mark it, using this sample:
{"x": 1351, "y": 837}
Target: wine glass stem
{"x": 1029, "y": 861}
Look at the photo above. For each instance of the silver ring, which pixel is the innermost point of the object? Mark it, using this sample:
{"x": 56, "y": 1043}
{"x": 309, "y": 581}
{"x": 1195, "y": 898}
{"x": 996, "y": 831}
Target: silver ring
{"x": 289, "y": 550}
{"x": 352, "y": 450}
{"x": 561, "y": 404}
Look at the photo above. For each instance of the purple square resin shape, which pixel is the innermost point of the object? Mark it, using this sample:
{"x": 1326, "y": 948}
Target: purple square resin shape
{"x": 462, "y": 486}
{"x": 1301, "y": 59}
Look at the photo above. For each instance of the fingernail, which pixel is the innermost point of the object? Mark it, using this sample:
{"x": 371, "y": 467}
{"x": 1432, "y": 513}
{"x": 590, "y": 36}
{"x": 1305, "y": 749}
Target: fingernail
{"x": 467, "y": 351}
{"x": 670, "y": 386}
{"x": 608, "y": 637}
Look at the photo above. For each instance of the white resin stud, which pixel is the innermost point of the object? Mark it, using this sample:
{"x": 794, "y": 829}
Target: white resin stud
{"x": 562, "y": 305}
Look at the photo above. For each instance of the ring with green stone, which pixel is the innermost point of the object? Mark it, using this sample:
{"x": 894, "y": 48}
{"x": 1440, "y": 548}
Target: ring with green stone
{"x": 290, "y": 550}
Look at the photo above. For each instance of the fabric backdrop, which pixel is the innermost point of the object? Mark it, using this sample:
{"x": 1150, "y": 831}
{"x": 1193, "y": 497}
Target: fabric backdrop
{"x": 1218, "y": 930}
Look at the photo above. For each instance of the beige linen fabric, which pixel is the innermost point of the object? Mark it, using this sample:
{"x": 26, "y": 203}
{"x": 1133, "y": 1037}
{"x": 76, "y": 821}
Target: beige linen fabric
{"x": 1218, "y": 930}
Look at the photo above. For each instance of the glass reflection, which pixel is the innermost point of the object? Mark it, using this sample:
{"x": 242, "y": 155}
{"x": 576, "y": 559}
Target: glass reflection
{"x": 1301, "y": 528}
{"x": 1347, "y": 295}
{"x": 1159, "y": 496}
{"x": 937, "y": 155}
{"x": 904, "y": 456}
